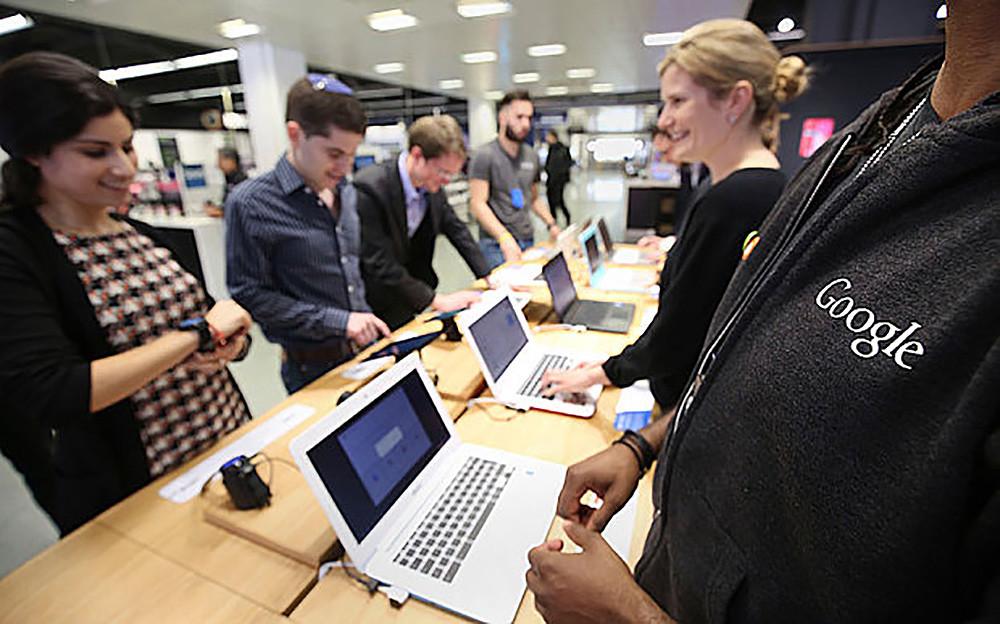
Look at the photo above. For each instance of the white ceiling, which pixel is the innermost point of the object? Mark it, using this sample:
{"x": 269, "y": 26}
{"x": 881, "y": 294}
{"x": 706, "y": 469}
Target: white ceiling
{"x": 603, "y": 34}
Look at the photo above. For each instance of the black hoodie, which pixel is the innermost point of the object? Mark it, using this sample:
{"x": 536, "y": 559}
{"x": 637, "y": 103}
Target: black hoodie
{"x": 836, "y": 456}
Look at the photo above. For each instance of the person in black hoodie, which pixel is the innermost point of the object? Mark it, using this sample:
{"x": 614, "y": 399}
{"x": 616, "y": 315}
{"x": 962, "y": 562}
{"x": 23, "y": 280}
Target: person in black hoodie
{"x": 112, "y": 357}
{"x": 836, "y": 454}
{"x": 721, "y": 94}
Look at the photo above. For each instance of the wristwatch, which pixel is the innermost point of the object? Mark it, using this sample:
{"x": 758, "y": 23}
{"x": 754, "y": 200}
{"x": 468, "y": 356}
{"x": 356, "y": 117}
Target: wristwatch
{"x": 206, "y": 341}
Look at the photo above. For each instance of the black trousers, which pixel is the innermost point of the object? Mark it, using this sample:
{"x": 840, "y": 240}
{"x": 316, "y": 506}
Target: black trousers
{"x": 554, "y": 191}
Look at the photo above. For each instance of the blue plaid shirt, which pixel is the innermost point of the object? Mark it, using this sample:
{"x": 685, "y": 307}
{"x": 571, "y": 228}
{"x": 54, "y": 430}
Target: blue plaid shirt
{"x": 290, "y": 263}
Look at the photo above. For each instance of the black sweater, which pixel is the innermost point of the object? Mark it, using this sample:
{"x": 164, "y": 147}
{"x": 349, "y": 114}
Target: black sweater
{"x": 76, "y": 463}
{"x": 695, "y": 276}
{"x": 831, "y": 467}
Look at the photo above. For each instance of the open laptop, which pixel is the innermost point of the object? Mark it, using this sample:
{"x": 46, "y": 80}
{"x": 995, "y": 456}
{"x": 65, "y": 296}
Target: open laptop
{"x": 619, "y": 255}
{"x": 568, "y": 240}
{"x": 513, "y": 364}
{"x": 417, "y": 508}
{"x": 620, "y": 278}
{"x": 600, "y": 315}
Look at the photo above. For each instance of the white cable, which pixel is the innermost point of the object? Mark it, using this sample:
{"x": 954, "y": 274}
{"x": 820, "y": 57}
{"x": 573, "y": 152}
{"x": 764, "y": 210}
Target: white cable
{"x": 325, "y": 568}
{"x": 560, "y": 326}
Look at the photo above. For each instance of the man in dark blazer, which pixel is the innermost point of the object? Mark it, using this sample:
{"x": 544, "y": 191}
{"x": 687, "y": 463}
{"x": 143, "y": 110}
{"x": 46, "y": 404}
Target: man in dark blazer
{"x": 403, "y": 208}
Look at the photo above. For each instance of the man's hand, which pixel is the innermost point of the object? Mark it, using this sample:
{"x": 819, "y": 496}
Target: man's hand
{"x": 510, "y": 249}
{"x": 455, "y": 301}
{"x": 594, "y": 585}
{"x": 554, "y": 230}
{"x": 577, "y": 379}
{"x": 364, "y": 328}
{"x": 612, "y": 475}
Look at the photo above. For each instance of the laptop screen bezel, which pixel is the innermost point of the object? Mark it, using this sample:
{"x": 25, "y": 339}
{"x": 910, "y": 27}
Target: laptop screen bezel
{"x": 465, "y": 321}
{"x": 361, "y": 552}
{"x": 559, "y": 258}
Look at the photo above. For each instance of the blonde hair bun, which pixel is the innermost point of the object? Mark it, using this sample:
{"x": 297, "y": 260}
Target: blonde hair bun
{"x": 791, "y": 77}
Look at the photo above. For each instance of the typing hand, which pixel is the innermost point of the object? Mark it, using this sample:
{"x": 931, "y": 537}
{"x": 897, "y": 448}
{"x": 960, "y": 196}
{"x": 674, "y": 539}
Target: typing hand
{"x": 455, "y": 301}
{"x": 612, "y": 475}
{"x": 577, "y": 379}
{"x": 592, "y": 585}
{"x": 650, "y": 243}
{"x": 364, "y": 328}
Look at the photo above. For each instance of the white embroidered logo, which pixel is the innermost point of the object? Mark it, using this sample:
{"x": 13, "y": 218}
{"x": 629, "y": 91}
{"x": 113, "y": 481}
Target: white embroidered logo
{"x": 862, "y": 320}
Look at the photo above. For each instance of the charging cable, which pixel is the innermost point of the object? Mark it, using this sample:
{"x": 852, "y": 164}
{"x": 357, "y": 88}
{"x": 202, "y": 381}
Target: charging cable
{"x": 397, "y": 595}
{"x": 518, "y": 409}
{"x": 559, "y": 327}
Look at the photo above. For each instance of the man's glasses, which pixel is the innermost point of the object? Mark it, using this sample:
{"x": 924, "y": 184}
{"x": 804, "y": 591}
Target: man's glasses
{"x": 325, "y": 82}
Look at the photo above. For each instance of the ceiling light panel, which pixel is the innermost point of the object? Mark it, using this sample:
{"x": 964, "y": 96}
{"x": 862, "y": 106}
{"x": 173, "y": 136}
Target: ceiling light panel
{"x": 451, "y": 83}
{"x": 548, "y": 49}
{"x": 15, "y": 23}
{"x": 471, "y": 9}
{"x": 556, "y": 90}
{"x": 237, "y": 28}
{"x": 581, "y": 72}
{"x": 394, "y": 19}
{"x": 602, "y": 87}
{"x": 526, "y": 77}
{"x": 661, "y": 39}
{"x": 389, "y": 68}
{"x": 486, "y": 56}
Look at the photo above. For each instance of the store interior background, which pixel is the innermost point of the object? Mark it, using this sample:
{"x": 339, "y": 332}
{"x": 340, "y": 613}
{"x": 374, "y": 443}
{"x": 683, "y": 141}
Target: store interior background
{"x": 604, "y": 110}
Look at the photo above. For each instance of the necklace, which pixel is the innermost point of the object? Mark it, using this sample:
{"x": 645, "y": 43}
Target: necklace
{"x": 881, "y": 151}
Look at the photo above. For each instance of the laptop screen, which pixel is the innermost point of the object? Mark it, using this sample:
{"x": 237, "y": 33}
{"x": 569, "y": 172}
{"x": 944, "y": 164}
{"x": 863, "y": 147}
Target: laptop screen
{"x": 593, "y": 254}
{"x": 605, "y": 234}
{"x": 499, "y": 337}
{"x": 560, "y": 285}
{"x": 371, "y": 459}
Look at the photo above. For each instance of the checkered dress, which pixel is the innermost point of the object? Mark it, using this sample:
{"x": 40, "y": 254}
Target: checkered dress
{"x": 139, "y": 293}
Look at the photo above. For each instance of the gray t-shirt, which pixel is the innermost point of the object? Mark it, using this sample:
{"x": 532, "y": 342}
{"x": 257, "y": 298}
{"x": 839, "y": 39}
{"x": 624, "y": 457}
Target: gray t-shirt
{"x": 510, "y": 182}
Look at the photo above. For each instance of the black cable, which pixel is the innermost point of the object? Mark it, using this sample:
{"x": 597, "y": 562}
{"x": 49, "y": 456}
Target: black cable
{"x": 369, "y": 583}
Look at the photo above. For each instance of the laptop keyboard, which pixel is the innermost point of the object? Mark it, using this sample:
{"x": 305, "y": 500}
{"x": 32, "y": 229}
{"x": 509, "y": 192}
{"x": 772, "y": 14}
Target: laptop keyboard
{"x": 442, "y": 540}
{"x": 533, "y": 386}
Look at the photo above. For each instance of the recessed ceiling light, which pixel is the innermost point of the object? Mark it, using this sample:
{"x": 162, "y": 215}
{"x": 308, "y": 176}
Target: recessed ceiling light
{"x": 786, "y": 25}
{"x": 486, "y": 56}
{"x": 394, "y": 19}
{"x": 451, "y": 83}
{"x": 556, "y": 90}
{"x": 494, "y": 95}
{"x": 942, "y": 12}
{"x": 15, "y": 23}
{"x": 548, "y": 49}
{"x": 160, "y": 67}
{"x": 581, "y": 72}
{"x": 389, "y": 68}
{"x": 602, "y": 87}
{"x": 526, "y": 77}
{"x": 236, "y": 28}
{"x": 475, "y": 8}
{"x": 661, "y": 39}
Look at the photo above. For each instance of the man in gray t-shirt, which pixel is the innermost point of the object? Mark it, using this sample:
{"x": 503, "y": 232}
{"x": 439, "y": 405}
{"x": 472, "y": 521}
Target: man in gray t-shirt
{"x": 503, "y": 184}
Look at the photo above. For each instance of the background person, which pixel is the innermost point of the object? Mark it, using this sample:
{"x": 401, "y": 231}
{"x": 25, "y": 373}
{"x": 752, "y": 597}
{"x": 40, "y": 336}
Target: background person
{"x": 229, "y": 163}
{"x": 113, "y": 356}
{"x": 293, "y": 238}
{"x": 403, "y": 208}
{"x": 558, "y": 165}
{"x": 503, "y": 181}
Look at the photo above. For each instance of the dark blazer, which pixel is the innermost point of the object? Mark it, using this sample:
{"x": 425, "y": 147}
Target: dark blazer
{"x": 398, "y": 271}
{"x": 76, "y": 464}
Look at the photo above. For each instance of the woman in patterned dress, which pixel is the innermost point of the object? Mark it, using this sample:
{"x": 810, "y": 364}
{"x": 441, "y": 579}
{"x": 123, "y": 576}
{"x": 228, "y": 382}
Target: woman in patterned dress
{"x": 112, "y": 357}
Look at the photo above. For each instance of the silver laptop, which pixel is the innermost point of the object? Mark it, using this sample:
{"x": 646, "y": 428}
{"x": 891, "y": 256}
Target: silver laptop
{"x": 618, "y": 278}
{"x": 619, "y": 255}
{"x": 416, "y": 508}
{"x": 513, "y": 364}
{"x": 609, "y": 316}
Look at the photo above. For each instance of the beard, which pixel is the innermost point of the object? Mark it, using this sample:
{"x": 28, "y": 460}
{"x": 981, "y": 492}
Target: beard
{"x": 513, "y": 137}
